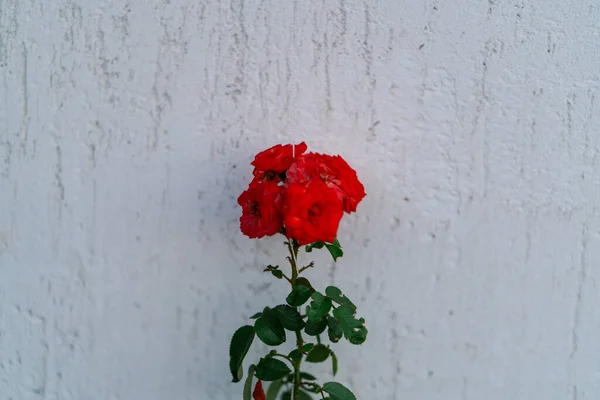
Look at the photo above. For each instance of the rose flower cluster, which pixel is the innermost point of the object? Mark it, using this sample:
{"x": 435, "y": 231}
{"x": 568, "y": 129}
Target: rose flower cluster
{"x": 302, "y": 195}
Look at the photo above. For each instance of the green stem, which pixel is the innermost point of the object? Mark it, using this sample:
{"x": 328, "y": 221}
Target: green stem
{"x": 293, "y": 248}
{"x": 297, "y": 368}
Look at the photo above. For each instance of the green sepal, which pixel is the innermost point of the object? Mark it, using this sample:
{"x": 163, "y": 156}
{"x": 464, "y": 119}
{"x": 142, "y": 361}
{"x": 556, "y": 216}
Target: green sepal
{"x": 335, "y": 248}
{"x": 316, "y": 245}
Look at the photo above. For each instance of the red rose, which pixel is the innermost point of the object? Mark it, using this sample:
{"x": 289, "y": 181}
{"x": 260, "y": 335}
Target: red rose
{"x": 259, "y": 392}
{"x": 277, "y": 159}
{"x": 334, "y": 171}
{"x": 345, "y": 181}
{"x": 308, "y": 167}
{"x": 311, "y": 212}
{"x": 260, "y": 209}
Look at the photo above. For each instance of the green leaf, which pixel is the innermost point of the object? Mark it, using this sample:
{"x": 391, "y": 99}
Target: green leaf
{"x": 271, "y": 369}
{"x": 307, "y": 377}
{"x": 248, "y": 383}
{"x": 334, "y": 363}
{"x": 304, "y": 396}
{"x": 315, "y": 245}
{"x": 274, "y": 389}
{"x": 295, "y": 355}
{"x": 298, "y": 296}
{"x": 354, "y": 329}
{"x": 319, "y": 307}
{"x": 307, "y": 347}
{"x": 304, "y": 282}
{"x": 277, "y": 273}
{"x": 269, "y": 329}
{"x": 289, "y": 317}
{"x": 338, "y": 391}
{"x": 238, "y": 348}
{"x": 335, "y": 251}
{"x": 335, "y": 294}
{"x": 334, "y": 330}
{"x": 318, "y": 354}
{"x": 257, "y": 315}
{"x": 315, "y": 328}
{"x": 359, "y": 336}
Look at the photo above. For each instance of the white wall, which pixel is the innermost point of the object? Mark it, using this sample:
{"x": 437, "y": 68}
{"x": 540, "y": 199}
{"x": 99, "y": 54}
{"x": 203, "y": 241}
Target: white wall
{"x": 126, "y": 132}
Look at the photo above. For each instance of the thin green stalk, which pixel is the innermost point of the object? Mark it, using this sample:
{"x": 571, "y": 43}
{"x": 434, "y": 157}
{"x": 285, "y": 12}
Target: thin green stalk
{"x": 293, "y": 248}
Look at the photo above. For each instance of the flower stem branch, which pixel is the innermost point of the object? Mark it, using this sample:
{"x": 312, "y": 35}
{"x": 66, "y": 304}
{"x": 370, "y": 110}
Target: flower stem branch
{"x": 312, "y": 264}
{"x": 293, "y": 248}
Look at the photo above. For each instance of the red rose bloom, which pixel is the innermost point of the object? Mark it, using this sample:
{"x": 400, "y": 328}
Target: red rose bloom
{"x": 308, "y": 167}
{"x": 311, "y": 212}
{"x": 260, "y": 209}
{"x": 277, "y": 159}
{"x": 259, "y": 392}
{"x": 345, "y": 181}
{"x": 305, "y": 193}
{"x": 334, "y": 171}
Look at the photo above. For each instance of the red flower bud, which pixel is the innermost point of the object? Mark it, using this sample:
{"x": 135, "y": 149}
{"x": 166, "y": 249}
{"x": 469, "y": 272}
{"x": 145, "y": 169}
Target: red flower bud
{"x": 259, "y": 392}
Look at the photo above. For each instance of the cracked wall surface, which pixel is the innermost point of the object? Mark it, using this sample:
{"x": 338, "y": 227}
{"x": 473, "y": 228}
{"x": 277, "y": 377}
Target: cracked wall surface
{"x": 126, "y": 132}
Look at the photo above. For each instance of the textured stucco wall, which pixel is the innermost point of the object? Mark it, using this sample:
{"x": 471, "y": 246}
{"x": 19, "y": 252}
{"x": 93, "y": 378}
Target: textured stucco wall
{"x": 126, "y": 129}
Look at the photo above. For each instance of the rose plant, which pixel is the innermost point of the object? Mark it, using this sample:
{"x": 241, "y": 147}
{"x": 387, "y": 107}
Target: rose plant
{"x": 303, "y": 197}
